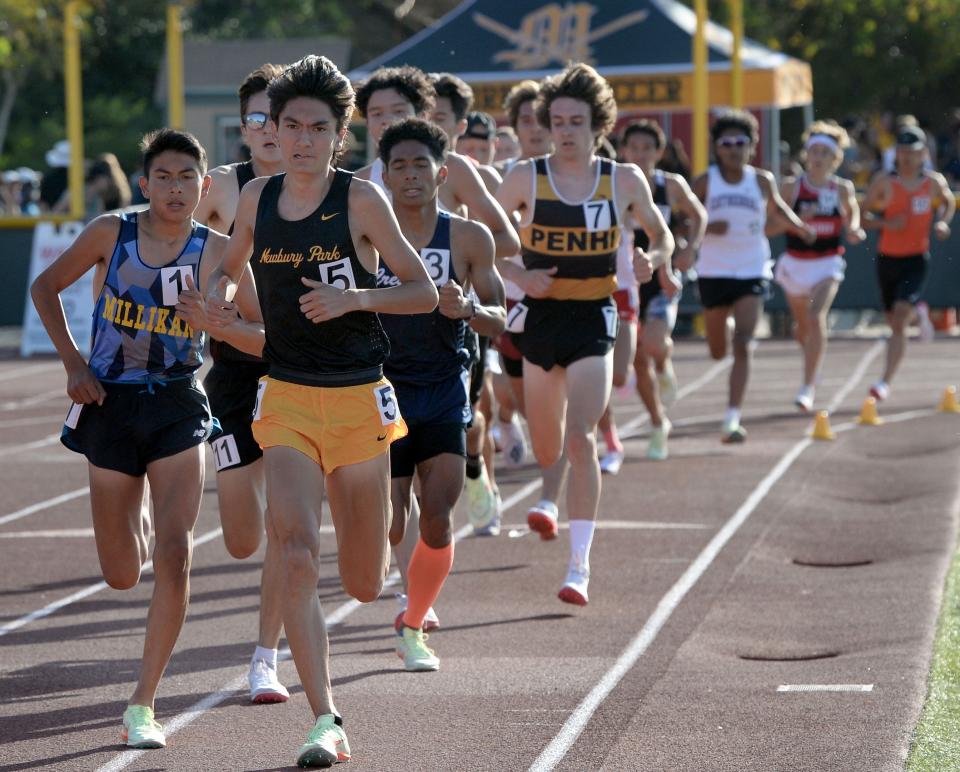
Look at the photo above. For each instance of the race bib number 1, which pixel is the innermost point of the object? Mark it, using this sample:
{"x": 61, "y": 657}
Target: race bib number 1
{"x": 173, "y": 281}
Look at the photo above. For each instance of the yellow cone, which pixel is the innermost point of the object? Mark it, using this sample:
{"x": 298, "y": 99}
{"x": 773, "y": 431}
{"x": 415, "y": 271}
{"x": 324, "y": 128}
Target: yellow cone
{"x": 821, "y": 428}
{"x": 868, "y": 415}
{"x": 949, "y": 402}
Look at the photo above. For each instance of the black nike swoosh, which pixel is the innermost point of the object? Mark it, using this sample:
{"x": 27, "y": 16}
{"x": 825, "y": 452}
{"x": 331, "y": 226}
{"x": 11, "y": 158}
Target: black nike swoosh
{"x": 381, "y": 438}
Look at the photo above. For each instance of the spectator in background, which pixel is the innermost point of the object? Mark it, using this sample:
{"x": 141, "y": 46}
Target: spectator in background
{"x": 789, "y": 167}
{"x": 508, "y": 146}
{"x": 53, "y": 186}
{"x": 107, "y": 186}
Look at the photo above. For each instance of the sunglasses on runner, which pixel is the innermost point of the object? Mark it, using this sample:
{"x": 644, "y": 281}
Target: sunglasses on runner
{"x": 255, "y": 121}
{"x": 739, "y": 141}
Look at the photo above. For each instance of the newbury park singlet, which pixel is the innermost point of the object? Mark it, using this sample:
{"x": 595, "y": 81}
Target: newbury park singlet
{"x": 579, "y": 238}
{"x": 137, "y": 335}
{"x": 345, "y": 351}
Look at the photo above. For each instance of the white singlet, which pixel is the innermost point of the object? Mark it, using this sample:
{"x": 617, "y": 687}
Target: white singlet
{"x": 743, "y": 252}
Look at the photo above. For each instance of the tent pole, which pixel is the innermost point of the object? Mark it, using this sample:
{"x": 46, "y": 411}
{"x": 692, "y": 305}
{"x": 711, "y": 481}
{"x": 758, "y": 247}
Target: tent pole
{"x": 174, "y": 67}
{"x": 807, "y": 114}
{"x": 701, "y": 97}
{"x": 74, "y": 103}
{"x": 736, "y": 62}
{"x": 773, "y": 123}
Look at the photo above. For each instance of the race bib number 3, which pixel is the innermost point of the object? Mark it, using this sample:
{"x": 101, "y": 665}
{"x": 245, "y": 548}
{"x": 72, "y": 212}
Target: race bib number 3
{"x": 338, "y": 273}
{"x": 597, "y": 215}
{"x": 517, "y": 318}
{"x": 173, "y": 281}
{"x": 225, "y": 453}
{"x": 437, "y": 263}
{"x": 387, "y": 404}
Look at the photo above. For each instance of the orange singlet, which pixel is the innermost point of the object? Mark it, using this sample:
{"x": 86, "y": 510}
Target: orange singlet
{"x": 914, "y": 237}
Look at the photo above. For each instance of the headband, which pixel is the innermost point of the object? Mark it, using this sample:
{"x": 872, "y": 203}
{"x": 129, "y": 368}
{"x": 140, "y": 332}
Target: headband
{"x": 822, "y": 139}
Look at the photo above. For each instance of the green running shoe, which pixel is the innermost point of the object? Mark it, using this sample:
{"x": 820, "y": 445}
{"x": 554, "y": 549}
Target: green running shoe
{"x": 413, "y": 650}
{"x": 657, "y": 450}
{"x": 140, "y": 730}
{"x": 326, "y": 744}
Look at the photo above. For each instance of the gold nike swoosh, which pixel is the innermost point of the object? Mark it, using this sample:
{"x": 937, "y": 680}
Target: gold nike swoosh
{"x": 326, "y": 217}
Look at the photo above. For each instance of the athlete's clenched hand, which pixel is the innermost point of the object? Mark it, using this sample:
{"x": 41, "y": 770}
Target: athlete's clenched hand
{"x": 453, "y": 304}
{"x": 192, "y": 306}
{"x": 642, "y": 266}
{"x": 324, "y": 301}
{"x": 536, "y": 282}
{"x": 83, "y": 386}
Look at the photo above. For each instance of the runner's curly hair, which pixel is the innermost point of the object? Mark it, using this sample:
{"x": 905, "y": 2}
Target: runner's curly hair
{"x": 410, "y": 82}
{"x": 583, "y": 83}
{"x": 315, "y": 77}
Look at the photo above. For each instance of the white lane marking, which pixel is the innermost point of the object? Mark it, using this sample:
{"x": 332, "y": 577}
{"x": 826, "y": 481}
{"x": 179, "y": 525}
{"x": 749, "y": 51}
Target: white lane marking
{"x": 62, "y": 533}
{"x": 626, "y": 525}
{"x": 212, "y": 700}
{"x": 825, "y": 688}
{"x": 6, "y": 450}
{"x": 36, "y": 399}
{"x": 53, "y": 418}
{"x": 25, "y": 370}
{"x": 41, "y": 505}
{"x": 195, "y": 711}
{"x": 554, "y": 753}
{"x": 86, "y": 592}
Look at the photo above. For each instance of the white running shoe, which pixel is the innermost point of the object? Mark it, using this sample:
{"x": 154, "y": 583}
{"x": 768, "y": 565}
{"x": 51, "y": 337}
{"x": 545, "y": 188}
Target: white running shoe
{"x": 668, "y": 384}
{"x": 927, "y": 332}
{"x": 481, "y": 500}
{"x": 514, "y": 443}
{"x": 657, "y": 449}
{"x": 265, "y": 687}
{"x": 542, "y": 519}
{"x": 611, "y": 463}
{"x": 574, "y": 589}
{"x": 804, "y": 399}
{"x": 732, "y": 433}
{"x": 880, "y": 391}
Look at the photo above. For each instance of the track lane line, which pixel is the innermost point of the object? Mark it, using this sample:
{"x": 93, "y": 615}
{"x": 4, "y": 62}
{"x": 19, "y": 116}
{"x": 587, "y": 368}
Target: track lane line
{"x": 557, "y": 749}
{"x": 41, "y": 505}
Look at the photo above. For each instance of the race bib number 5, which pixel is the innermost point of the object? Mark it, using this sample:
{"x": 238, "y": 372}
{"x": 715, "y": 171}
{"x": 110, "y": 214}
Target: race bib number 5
{"x": 387, "y": 404}
{"x": 338, "y": 273}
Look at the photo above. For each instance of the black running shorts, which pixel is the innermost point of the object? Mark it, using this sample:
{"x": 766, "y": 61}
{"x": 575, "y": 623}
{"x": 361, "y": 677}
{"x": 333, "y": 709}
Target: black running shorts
{"x": 232, "y": 388}
{"x": 559, "y": 332}
{"x": 901, "y": 278}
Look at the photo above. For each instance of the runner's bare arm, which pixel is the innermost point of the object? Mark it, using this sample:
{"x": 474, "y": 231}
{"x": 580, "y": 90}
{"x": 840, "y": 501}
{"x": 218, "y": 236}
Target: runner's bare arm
{"x": 633, "y": 194}
{"x": 237, "y": 253}
{"x": 776, "y": 223}
{"x": 947, "y": 208}
{"x": 514, "y": 196}
{"x": 474, "y": 241}
{"x": 685, "y": 201}
{"x": 375, "y": 229}
{"x": 468, "y": 189}
{"x": 776, "y": 206}
{"x": 850, "y": 210}
{"x": 491, "y": 179}
{"x": 91, "y": 247}
{"x": 875, "y": 202}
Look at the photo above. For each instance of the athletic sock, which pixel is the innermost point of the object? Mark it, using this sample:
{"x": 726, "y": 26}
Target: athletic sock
{"x": 474, "y": 466}
{"x": 612, "y": 439}
{"x": 732, "y": 416}
{"x": 581, "y": 539}
{"x": 427, "y": 572}
{"x": 267, "y": 655}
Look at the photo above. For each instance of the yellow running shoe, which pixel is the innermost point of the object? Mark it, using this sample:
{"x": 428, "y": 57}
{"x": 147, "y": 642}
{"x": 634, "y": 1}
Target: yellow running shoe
{"x": 140, "y": 730}
{"x": 413, "y": 650}
{"x": 326, "y": 744}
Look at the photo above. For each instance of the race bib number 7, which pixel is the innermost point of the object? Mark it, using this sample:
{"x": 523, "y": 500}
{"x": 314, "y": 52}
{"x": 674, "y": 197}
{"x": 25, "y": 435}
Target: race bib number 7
{"x": 597, "y": 215}
{"x": 517, "y": 318}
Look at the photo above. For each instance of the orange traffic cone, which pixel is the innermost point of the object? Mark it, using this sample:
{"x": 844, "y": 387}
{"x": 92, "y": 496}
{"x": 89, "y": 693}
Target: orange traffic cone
{"x": 821, "y": 427}
{"x": 949, "y": 402}
{"x": 868, "y": 415}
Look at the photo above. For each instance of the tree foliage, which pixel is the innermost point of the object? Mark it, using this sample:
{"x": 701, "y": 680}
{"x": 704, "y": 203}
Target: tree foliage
{"x": 866, "y": 55}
